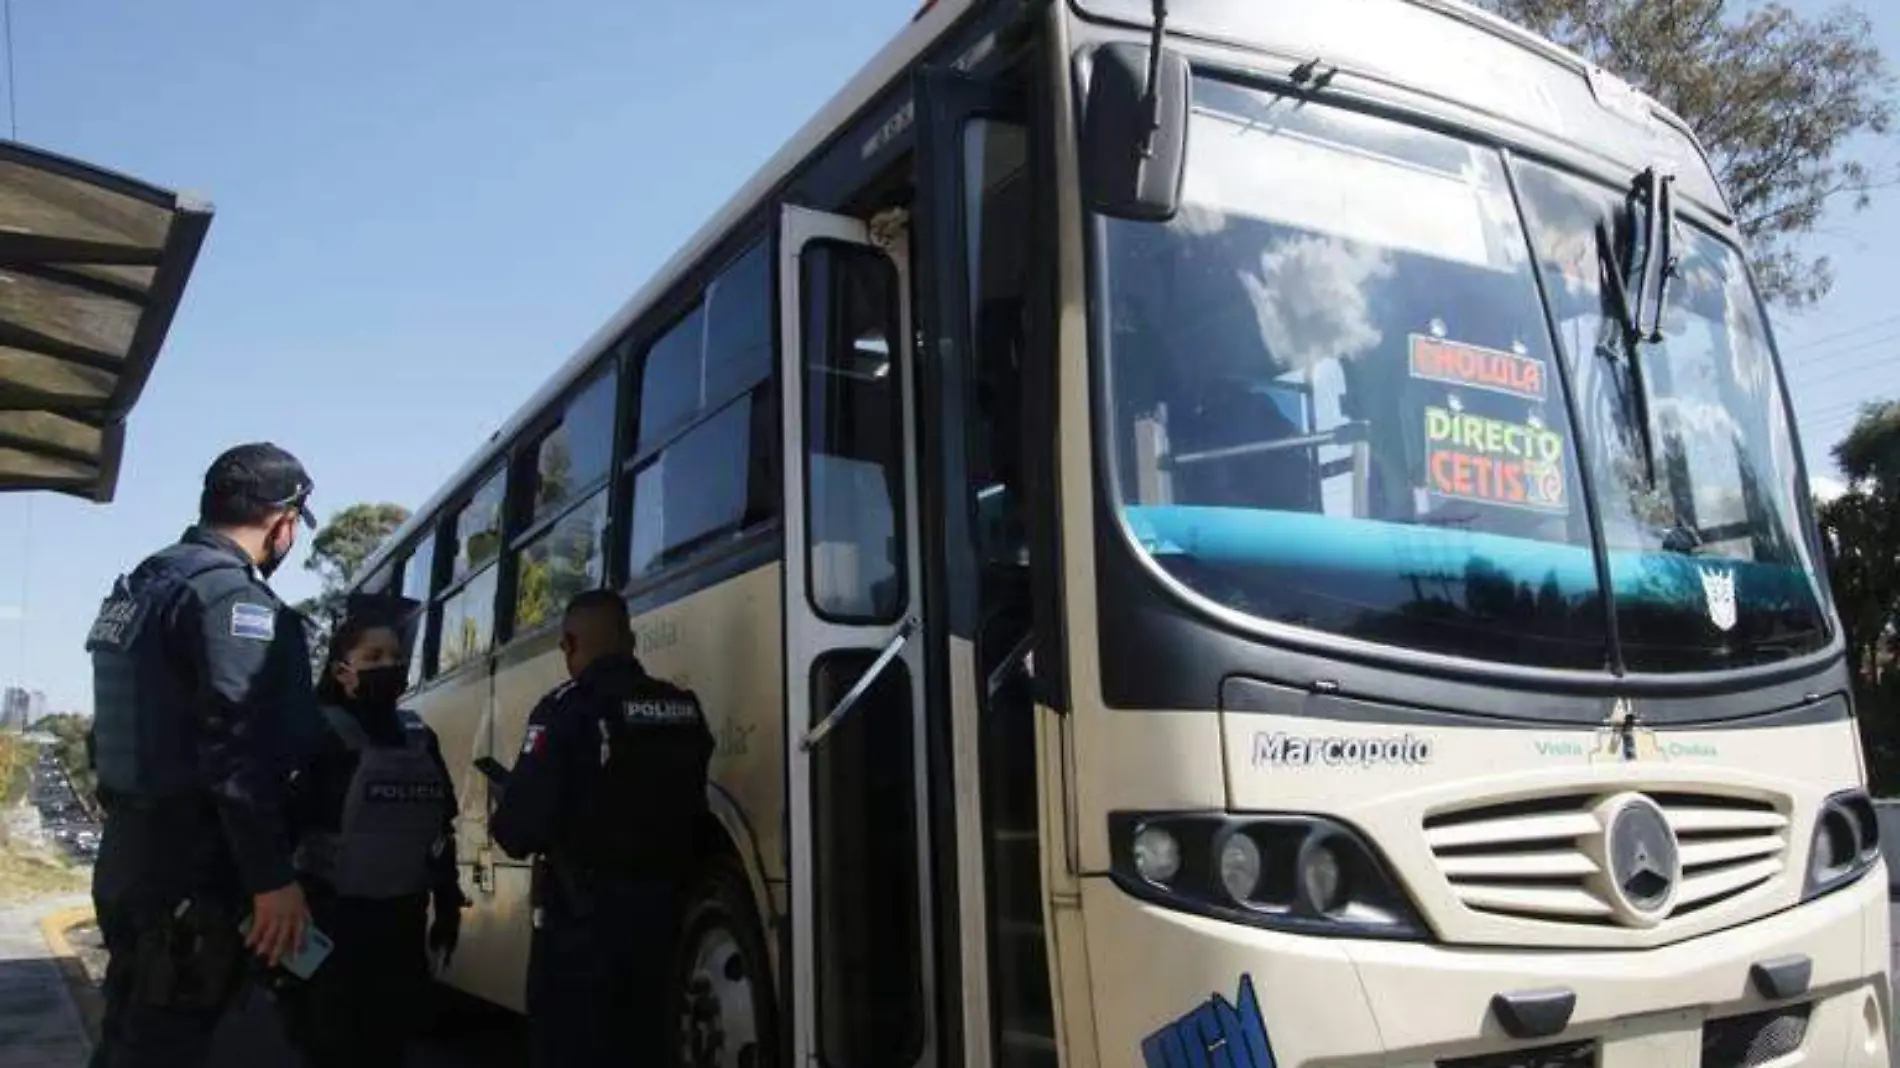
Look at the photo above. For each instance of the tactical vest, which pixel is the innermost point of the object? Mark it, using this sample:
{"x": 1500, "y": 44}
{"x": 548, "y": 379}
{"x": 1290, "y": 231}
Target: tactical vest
{"x": 145, "y": 716}
{"x": 640, "y": 819}
{"x": 392, "y": 815}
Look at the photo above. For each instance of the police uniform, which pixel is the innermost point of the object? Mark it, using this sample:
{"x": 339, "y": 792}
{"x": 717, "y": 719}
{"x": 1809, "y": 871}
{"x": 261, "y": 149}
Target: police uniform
{"x": 375, "y": 818}
{"x": 607, "y": 792}
{"x": 203, "y": 700}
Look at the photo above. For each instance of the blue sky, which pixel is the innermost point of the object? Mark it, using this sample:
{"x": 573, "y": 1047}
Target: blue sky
{"x": 424, "y": 207}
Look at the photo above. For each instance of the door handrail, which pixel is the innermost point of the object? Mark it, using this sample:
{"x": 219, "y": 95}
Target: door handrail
{"x": 849, "y": 702}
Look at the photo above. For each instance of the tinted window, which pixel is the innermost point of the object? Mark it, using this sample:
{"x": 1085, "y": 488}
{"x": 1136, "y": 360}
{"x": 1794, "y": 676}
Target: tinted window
{"x": 578, "y": 452}
{"x": 670, "y": 380}
{"x": 739, "y": 327}
{"x": 561, "y": 563}
{"x": 703, "y": 487}
{"x": 468, "y": 621}
{"x": 478, "y": 527}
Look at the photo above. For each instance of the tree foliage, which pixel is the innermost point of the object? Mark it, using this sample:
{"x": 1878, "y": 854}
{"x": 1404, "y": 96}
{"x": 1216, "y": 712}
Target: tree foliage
{"x": 337, "y": 553}
{"x": 1776, "y": 99}
{"x": 1862, "y": 532}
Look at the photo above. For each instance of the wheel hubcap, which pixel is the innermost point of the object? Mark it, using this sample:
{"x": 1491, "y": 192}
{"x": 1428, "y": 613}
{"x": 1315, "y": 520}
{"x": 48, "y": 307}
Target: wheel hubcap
{"x": 717, "y": 1026}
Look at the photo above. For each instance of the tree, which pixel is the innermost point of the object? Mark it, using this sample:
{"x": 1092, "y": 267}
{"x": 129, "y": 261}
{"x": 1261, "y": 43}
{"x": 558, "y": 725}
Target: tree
{"x": 1861, "y": 528}
{"x": 1775, "y": 98}
{"x": 337, "y": 553}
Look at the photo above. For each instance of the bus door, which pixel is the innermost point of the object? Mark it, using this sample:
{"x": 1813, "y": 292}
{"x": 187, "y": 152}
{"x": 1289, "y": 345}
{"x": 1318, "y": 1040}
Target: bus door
{"x": 975, "y": 220}
{"x": 862, "y": 975}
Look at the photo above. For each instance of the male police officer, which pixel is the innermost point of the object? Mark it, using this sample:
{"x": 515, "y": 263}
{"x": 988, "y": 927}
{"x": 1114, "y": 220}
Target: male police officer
{"x": 201, "y": 681}
{"x": 608, "y": 791}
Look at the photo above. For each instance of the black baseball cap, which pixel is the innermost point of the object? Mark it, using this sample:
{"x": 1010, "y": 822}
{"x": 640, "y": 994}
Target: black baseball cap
{"x": 264, "y": 475}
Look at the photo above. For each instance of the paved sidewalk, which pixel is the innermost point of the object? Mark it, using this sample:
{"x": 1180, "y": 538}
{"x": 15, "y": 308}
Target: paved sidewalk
{"x": 39, "y": 1025}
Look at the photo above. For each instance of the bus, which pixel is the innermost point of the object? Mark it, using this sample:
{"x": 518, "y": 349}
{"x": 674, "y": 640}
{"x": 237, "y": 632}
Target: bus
{"x": 1209, "y": 533}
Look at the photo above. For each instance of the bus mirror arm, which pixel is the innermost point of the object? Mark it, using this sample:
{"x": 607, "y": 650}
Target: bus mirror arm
{"x": 850, "y": 701}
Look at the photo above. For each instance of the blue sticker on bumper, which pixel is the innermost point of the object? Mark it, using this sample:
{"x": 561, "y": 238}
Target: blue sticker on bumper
{"x": 1214, "y": 1035}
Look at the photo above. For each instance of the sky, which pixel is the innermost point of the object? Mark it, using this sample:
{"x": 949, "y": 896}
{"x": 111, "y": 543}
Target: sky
{"x": 424, "y": 208}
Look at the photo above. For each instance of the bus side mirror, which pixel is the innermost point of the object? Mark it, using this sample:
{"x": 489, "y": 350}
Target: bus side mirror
{"x": 1134, "y": 142}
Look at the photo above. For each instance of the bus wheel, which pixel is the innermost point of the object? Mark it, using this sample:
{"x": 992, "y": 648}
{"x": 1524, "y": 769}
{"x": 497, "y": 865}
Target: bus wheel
{"x": 725, "y": 1009}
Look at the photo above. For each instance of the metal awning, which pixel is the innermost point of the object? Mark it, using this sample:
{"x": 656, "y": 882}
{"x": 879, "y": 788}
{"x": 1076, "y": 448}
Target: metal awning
{"x": 92, "y": 267}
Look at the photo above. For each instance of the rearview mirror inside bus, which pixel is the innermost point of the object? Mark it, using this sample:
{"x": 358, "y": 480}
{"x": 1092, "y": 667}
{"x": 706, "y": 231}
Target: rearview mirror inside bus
{"x": 1134, "y": 133}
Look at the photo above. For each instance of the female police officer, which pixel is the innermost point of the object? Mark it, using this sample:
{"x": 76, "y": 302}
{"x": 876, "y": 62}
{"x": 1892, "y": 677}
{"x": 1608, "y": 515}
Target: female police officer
{"x": 374, "y": 817}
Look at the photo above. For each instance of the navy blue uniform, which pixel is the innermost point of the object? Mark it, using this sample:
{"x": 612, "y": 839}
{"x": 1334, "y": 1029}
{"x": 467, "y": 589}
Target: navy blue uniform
{"x": 609, "y": 791}
{"x": 203, "y": 696}
{"x": 360, "y": 1009}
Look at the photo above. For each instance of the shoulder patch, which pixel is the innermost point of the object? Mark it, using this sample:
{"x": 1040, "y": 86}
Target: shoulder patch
{"x": 531, "y": 742}
{"x": 254, "y": 621}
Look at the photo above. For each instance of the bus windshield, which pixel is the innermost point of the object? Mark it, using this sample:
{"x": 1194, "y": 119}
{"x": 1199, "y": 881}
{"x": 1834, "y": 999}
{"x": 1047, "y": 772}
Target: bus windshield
{"x": 1333, "y": 402}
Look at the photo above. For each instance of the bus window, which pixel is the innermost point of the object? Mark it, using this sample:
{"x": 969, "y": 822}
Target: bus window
{"x": 577, "y": 452}
{"x": 563, "y": 550}
{"x": 418, "y": 574}
{"x": 853, "y": 435}
{"x": 705, "y": 458}
{"x": 669, "y": 381}
{"x": 739, "y": 327}
{"x": 694, "y": 493}
{"x": 468, "y": 615}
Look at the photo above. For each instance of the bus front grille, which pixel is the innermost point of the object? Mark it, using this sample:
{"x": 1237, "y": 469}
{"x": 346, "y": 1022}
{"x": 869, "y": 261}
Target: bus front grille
{"x": 1544, "y": 858}
{"x": 1756, "y": 1039}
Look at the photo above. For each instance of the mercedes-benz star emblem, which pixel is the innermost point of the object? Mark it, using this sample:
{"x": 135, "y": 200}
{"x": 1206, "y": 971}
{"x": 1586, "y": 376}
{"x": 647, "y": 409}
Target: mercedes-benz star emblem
{"x": 1645, "y": 860}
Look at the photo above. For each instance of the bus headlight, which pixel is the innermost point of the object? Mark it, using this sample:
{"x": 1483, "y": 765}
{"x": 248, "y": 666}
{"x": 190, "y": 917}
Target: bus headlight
{"x": 1845, "y": 845}
{"x": 1306, "y": 874}
{"x": 1240, "y": 868}
{"x": 1157, "y": 855}
{"x": 1322, "y": 877}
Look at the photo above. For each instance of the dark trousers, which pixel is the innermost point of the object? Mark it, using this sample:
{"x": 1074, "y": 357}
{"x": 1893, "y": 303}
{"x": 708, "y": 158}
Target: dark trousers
{"x": 598, "y": 978}
{"x": 363, "y": 1005}
{"x": 137, "y": 1033}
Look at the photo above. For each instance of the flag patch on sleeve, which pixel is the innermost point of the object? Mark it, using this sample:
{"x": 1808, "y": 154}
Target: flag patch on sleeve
{"x": 531, "y": 744}
{"x": 254, "y": 621}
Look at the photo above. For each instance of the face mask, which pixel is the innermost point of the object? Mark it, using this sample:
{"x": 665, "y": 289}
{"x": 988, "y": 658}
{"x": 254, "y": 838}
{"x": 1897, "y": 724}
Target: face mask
{"x": 276, "y": 558}
{"x": 381, "y": 686}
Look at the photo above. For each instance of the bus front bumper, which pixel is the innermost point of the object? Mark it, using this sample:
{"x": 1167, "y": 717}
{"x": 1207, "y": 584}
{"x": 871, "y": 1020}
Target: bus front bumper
{"x": 1168, "y": 986}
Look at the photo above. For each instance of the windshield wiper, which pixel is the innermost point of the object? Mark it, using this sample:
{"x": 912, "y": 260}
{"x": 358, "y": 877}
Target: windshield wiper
{"x": 1641, "y": 291}
{"x": 1655, "y": 193}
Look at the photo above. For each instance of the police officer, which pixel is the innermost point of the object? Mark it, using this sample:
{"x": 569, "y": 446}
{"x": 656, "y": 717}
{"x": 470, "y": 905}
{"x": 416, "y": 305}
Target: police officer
{"x": 202, "y": 691}
{"x": 607, "y": 794}
{"x": 373, "y": 813}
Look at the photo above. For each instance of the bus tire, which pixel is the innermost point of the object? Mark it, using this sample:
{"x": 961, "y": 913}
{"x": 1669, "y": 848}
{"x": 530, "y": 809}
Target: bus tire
{"x": 724, "y": 1009}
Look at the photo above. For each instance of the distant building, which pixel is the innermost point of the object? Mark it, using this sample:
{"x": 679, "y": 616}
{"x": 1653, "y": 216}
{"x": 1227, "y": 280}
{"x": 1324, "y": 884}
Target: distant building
{"x": 20, "y": 708}
{"x": 14, "y": 708}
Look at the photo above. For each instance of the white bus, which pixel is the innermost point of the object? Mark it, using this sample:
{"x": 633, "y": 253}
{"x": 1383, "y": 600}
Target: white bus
{"x": 1211, "y": 533}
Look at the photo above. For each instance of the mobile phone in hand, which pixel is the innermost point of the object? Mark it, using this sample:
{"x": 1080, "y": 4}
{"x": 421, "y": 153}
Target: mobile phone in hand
{"x": 306, "y": 960}
{"x": 492, "y": 770}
